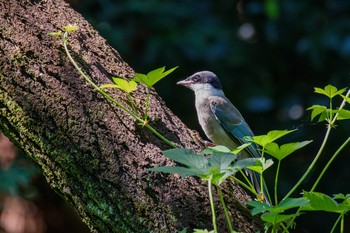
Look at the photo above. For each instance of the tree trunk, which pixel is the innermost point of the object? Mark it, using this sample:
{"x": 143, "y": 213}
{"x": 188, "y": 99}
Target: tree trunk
{"x": 92, "y": 153}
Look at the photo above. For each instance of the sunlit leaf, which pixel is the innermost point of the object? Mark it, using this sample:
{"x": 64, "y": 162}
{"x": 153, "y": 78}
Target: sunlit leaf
{"x": 329, "y": 91}
{"x": 153, "y": 76}
{"x": 127, "y": 86}
{"x": 109, "y": 85}
{"x": 343, "y": 114}
{"x": 280, "y": 152}
{"x": 71, "y": 27}
{"x": 240, "y": 148}
{"x": 261, "y": 165}
{"x": 263, "y": 140}
{"x": 317, "y": 110}
{"x": 347, "y": 99}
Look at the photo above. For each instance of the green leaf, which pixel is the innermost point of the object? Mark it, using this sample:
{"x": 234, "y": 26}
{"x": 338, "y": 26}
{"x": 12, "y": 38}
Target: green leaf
{"x": 187, "y": 157}
{"x": 275, "y": 218}
{"x": 109, "y": 85}
{"x": 263, "y": 140}
{"x": 127, "y": 86}
{"x": 58, "y": 33}
{"x": 280, "y": 152}
{"x": 258, "y": 207}
{"x": 346, "y": 98}
{"x": 318, "y": 110}
{"x": 261, "y": 166}
{"x": 289, "y": 203}
{"x": 221, "y": 161}
{"x": 321, "y": 202}
{"x": 343, "y": 114}
{"x": 286, "y": 204}
{"x": 341, "y": 196}
{"x": 183, "y": 171}
{"x": 153, "y": 76}
{"x": 71, "y": 27}
{"x": 215, "y": 149}
{"x": 245, "y": 163}
{"x": 240, "y": 148}
{"x": 329, "y": 91}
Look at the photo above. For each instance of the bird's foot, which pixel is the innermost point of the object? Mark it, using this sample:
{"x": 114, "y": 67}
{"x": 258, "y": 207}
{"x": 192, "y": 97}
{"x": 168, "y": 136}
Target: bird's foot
{"x": 206, "y": 143}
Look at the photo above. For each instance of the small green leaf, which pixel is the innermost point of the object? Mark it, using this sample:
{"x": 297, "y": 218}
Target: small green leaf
{"x": 127, "y": 86}
{"x": 280, "y": 152}
{"x": 153, "y": 76}
{"x": 109, "y": 85}
{"x": 263, "y": 140}
{"x": 71, "y": 27}
{"x": 58, "y": 33}
{"x": 329, "y": 91}
{"x": 240, "y": 148}
{"x": 341, "y": 196}
{"x": 317, "y": 110}
{"x": 261, "y": 165}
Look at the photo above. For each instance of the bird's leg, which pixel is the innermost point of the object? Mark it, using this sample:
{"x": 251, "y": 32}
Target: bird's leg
{"x": 197, "y": 137}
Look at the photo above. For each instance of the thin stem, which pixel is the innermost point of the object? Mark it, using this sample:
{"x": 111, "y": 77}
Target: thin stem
{"x": 87, "y": 78}
{"x": 225, "y": 209}
{"x": 132, "y": 103}
{"x": 276, "y": 181}
{"x": 147, "y": 103}
{"x": 245, "y": 186}
{"x": 212, "y": 205}
{"x": 311, "y": 165}
{"x": 329, "y": 163}
{"x": 342, "y": 223}
{"x": 336, "y": 223}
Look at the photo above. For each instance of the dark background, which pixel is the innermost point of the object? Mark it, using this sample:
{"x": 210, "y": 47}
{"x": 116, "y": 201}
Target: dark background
{"x": 268, "y": 54}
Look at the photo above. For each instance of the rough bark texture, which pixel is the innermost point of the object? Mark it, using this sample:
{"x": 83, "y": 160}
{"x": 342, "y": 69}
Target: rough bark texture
{"x": 92, "y": 153}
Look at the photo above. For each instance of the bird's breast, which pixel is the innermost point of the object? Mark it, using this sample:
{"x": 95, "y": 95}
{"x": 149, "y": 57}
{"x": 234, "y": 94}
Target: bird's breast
{"x": 211, "y": 126}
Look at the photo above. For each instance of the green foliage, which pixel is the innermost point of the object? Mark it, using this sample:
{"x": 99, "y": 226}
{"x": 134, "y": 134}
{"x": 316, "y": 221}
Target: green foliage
{"x": 122, "y": 84}
{"x": 327, "y": 114}
{"x": 153, "y": 76}
{"x": 216, "y": 164}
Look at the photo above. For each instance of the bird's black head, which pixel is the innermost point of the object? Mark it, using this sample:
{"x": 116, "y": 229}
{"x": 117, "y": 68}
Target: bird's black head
{"x": 202, "y": 77}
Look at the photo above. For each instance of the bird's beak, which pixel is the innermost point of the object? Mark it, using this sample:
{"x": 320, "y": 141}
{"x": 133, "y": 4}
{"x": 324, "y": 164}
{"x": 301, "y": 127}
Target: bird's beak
{"x": 185, "y": 83}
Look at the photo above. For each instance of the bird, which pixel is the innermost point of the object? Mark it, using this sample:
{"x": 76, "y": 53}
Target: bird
{"x": 220, "y": 120}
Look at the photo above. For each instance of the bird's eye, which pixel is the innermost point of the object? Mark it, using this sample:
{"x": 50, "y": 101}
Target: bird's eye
{"x": 195, "y": 78}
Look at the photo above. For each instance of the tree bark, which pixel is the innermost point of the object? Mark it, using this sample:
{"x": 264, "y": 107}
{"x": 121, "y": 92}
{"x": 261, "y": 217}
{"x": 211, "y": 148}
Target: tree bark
{"x": 92, "y": 153}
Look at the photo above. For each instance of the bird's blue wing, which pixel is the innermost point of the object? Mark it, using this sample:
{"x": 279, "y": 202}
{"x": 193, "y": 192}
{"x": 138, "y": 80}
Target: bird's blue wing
{"x": 232, "y": 122}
